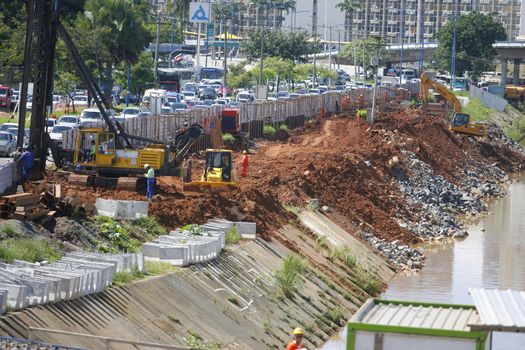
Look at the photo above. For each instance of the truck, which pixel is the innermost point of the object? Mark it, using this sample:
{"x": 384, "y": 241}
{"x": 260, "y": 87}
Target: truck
{"x": 6, "y": 96}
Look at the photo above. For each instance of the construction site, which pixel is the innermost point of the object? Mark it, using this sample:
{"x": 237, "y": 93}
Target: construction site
{"x": 313, "y": 217}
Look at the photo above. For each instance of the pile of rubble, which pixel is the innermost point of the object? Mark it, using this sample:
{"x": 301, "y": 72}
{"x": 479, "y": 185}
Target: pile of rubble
{"x": 401, "y": 256}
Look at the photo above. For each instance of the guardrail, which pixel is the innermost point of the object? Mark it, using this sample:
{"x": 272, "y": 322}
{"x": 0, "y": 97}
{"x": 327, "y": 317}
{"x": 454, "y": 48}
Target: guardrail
{"x": 107, "y": 341}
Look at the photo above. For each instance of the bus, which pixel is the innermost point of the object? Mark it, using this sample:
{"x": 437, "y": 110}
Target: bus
{"x": 212, "y": 73}
{"x": 173, "y": 79}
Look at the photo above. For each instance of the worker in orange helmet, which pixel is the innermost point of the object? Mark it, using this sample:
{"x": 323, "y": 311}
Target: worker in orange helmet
{"x": 297, "y": 342}
{"x": 244, "y": 164}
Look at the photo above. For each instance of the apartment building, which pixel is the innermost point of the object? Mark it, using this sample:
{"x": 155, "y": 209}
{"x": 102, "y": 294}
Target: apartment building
{"x": 423, "y": 19}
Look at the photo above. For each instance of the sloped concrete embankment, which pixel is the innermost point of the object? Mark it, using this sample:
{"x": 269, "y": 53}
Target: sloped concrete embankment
{"x": 233, "y": 300}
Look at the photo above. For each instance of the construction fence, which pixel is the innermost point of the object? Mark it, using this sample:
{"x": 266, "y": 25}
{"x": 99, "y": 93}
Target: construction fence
{"x": 292, "y": 112}
{"x": 489, "y": 99}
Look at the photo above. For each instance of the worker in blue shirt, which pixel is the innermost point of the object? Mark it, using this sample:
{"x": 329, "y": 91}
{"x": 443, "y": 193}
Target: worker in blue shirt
{"x": 27, "y": 160}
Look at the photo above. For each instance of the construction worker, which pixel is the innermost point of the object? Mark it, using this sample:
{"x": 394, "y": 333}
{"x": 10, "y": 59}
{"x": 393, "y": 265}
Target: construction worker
{"x": 297, "y": 342}
{"x": 92, "y": 151}
{"x": 150, "y": 178}
{"x": 244, "y": 164}
{"x": 27, "y": 159}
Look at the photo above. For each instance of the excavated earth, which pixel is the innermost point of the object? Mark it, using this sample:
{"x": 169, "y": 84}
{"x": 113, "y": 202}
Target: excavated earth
{"x": 351, "y": 167}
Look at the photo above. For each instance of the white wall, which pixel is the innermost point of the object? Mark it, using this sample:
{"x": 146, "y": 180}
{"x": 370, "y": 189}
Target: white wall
{"x": 392, "y": 341}
{"x": 335, "y": 17}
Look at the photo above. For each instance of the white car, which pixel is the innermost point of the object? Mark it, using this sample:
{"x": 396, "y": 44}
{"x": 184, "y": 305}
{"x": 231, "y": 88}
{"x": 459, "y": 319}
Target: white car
{"x": 69, "y": 120}
{"x": 80, "y": 100}
{"x": 6, "y": 126}
{"x": 90, "y": 118}
{"x": 166, "y": 110}
{"x": 130, "y": 112}
{"x": 244, "y": 97}
{"x": 189, "y": 96}
{"x": 7, "y": 143}
{"x": 57, "y": 133}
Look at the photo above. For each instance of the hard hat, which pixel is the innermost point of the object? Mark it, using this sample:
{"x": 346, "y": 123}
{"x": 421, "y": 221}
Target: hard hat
{"x": 244, "y": 152}
{"x": 146, "y": 166}
{"x": 298, "y": 331}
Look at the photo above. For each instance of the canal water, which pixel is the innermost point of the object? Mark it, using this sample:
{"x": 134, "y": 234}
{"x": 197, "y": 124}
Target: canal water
{"x": 493, "y": 256}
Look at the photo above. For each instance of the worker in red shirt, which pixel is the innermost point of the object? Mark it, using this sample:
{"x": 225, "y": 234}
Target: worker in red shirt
{"x": 244, "y": 164}
{"x": 297, "y": 343}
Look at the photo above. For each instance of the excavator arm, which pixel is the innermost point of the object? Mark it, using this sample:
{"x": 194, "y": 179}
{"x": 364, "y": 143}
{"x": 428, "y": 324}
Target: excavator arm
{"x": 427, "y": 83}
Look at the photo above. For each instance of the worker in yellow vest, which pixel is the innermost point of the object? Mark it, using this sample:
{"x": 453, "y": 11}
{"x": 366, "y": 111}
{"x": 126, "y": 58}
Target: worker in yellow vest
{"x": 150, "y": 178}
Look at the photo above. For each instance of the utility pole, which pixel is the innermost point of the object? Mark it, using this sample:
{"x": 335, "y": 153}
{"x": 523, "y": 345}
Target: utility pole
{"x": 171, "y": 40}
{"x": 262, "y": 58}
{"x": 402, "y": 40}
{"x": 224, "y": 92}
{"x": 339, "y": 48}
{"x": 198, "y": 65}
{"x": 330, "y": 55}
{"x": 157, "y": 42}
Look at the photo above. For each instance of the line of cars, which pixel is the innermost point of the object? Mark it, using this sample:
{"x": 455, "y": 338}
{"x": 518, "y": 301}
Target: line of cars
{"x": 8, "y": 138}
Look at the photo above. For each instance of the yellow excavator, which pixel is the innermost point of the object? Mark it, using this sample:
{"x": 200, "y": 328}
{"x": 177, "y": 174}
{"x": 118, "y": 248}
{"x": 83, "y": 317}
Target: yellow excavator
{"x": 461, "y": 123}
{"x": 218, "y": 172}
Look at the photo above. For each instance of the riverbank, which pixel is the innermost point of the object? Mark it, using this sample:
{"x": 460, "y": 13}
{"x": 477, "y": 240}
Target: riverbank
{"x": 347, "y": 198}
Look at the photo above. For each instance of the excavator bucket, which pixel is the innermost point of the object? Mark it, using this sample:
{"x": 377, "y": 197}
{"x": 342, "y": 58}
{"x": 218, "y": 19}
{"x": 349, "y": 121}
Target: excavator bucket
{"x": 131, "y": 183}
{"x": 81, "y": 180}
{"x": 208, "y": 187}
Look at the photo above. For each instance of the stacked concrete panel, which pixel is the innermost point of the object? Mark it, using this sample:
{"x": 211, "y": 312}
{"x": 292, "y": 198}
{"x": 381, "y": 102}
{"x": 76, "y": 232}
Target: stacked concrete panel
{"x": 24, "y": 284}
{"x": 182, "y": 248}
{"x": 120, "y": 209}
{"x": 8, "y": 176}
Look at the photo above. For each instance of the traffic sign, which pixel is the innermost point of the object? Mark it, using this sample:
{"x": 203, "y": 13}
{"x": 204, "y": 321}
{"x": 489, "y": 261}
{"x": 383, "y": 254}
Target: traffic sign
{"x": 199, "y": 12}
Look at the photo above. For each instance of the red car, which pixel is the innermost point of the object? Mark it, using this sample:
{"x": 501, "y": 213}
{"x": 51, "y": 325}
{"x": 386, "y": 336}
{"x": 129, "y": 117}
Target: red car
{"x": 228, "y": 91}
{"x": 6, "y": 95}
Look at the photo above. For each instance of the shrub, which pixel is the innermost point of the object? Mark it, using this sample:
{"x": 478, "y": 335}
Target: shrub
{"x": 292, "y": 209}
{"x": 362, "y": 113}
{"x": 368, "y": 282}
{"x": 288, "y": 277}
{"x": 155, "y": 268}
{"x": 268, "y": 130}
{"x": 233, "y": 236}
{"x": 8, "y": 231}
{"x": 116, "y": 235}
{"x": 145, "y": 228}
{"x": 126, "y": 277}
{"x": 30, "y": 250}
{"x": 344, "y": 254}
{"x": 234, "y": 300}
{"x": 335, "y": 314}
{"x": 193, "y": 229}
{"x": 228, "y": 138}
{"x": 195, "y": 341}
{"x": 284, "y": 127}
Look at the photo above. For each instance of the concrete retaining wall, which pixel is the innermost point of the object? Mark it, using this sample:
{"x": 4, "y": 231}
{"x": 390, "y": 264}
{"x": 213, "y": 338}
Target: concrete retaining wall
{"x": 8, "y": 176}
{"x": 181, "y": 248}
{"x": 118, "y": 209}
{"x": 24, "y": 284}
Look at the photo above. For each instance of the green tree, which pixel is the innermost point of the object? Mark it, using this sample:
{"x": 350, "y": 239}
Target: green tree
{"x": 288, "y": 46}
{"x": 370, "y": 47}
{"x": 475, "y": 34}
{"x": 142, "y": 73}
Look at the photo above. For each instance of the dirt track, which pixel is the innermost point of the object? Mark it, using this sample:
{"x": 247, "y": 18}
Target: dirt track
{"x": 342, "y": 161}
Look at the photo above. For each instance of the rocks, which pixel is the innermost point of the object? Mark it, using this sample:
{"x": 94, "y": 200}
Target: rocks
{"x": 401, "y": 256}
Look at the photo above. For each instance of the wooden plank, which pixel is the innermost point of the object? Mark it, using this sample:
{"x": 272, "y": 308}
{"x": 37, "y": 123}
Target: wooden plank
{"x": 34, "y": 198}
{"x": 19, "y": 216}
{"x": 37, "y": 215}
{"x": 14, "y": 197}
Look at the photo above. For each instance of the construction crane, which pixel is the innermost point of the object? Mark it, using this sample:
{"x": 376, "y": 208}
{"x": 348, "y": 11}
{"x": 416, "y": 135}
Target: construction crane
{"x": 110, "y": 151}
{"x": 461, "y": 122}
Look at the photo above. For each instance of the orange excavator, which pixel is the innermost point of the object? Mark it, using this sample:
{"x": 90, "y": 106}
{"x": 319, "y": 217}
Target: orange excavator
{"x": 461, "y": 122}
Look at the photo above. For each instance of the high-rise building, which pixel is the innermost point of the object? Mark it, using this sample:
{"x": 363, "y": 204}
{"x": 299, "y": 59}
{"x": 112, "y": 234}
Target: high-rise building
{"x": 316, "y": 16}
{"x": 420, "y": 20}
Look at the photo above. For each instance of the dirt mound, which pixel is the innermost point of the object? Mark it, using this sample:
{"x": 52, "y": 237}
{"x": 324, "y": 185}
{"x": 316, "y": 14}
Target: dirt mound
{"x": 344, "y": 162}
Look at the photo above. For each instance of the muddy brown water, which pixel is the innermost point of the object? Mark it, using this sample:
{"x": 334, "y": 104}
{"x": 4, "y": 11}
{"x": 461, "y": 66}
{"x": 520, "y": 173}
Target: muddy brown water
{"x": 493, "y": 256}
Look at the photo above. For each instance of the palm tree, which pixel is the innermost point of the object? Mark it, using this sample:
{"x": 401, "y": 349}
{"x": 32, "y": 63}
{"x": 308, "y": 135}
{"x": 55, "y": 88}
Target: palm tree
{"x": 348, "y": 6}
{"x": 282, "y": 5}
